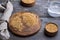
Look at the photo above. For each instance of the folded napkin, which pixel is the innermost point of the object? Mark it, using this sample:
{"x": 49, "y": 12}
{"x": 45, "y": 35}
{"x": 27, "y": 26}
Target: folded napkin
{"x": 3, "y": 26}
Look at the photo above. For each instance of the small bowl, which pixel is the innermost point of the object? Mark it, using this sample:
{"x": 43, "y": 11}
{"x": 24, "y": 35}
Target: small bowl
{"x": 50, "y": 34}
{"x": 54, "y": 9}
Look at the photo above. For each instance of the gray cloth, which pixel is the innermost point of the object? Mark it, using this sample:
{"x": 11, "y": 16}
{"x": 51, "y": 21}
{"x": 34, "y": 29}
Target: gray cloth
{"x": 3, "y": 26}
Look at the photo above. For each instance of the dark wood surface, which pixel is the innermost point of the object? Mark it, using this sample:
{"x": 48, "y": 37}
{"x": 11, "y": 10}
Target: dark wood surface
{"x": 39, "y": 9}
